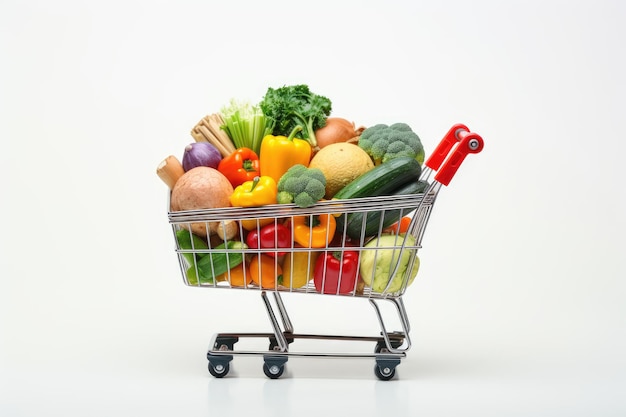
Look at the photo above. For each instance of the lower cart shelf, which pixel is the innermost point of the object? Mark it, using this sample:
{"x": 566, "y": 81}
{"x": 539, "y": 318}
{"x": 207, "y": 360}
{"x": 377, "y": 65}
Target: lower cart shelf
{"x": 223, "y": 351}
{"x": 387, "y": 349}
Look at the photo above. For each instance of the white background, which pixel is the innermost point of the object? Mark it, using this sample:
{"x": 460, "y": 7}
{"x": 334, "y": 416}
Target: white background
{"x": 519, "y": 306}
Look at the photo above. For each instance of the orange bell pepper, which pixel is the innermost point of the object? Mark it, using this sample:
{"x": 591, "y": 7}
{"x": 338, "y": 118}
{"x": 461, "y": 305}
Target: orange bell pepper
{"x": 239, "y": 276}
{"x": 265, "y": 271}
{"x": 314, "y": 231}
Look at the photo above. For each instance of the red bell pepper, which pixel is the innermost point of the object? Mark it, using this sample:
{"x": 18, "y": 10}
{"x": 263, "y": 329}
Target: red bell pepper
{"x": 337, "y": 272}
{"x": 341, "y": 240}
{"x": 240, "y": 166}
{"x": 273, "y": 235}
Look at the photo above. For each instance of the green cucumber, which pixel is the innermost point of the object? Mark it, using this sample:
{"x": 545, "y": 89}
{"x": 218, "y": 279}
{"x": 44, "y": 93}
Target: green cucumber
{"x": 185, "y": 238}
{"x": 383, "y": 179}
{"x": 388, "y": 178}
{"x": 225, "y": 257}
{"x": 375, "y": 221}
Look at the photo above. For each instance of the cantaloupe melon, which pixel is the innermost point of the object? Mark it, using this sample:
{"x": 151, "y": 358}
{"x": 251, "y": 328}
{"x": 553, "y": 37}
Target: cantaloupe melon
{"x": 341, "y": 163}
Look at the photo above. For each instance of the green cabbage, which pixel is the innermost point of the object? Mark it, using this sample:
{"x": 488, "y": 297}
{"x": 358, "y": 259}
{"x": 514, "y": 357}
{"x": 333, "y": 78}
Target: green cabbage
{"x": 377, "y": 264}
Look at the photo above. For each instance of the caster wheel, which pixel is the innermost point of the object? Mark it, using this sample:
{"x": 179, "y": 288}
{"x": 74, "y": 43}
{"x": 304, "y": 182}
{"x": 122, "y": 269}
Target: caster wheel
{"x": 384, "y": 373}
{"x": 273, "y": 371}
{"x": 219, "y": 370}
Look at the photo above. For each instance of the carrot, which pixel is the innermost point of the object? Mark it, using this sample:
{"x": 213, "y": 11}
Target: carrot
{"x": 401, "y": 226}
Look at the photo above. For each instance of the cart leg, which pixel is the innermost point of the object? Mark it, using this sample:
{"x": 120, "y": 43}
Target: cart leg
{"x": 404, "y": 322}
{"x": 281, "y": 339}
{"x": 283, "y": 313}
{"x": 404, "y": 317}
{"x": 286, "y": 323}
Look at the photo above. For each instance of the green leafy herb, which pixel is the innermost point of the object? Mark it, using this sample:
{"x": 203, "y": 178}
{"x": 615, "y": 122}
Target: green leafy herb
{"x": 296, "y": 105}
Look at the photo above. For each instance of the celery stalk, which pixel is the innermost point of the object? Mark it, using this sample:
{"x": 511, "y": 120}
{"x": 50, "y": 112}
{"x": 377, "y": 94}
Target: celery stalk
{"x": 245, "y": 124}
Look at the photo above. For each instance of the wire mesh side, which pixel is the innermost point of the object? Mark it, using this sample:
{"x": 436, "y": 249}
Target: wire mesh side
{"x": 349, "y": 264}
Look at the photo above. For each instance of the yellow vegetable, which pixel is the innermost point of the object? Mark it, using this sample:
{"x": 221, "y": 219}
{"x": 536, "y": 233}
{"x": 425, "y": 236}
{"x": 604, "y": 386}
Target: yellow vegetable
{"x": 298, "y": 268}
{"x": 341, "y": 163}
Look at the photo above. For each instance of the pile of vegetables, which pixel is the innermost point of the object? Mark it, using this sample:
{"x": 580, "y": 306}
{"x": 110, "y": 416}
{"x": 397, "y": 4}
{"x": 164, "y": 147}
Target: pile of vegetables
{"x": 256, "y": 155}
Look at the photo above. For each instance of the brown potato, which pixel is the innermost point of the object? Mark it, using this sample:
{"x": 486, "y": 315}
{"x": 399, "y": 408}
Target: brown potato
{"x": 201, "y": 188}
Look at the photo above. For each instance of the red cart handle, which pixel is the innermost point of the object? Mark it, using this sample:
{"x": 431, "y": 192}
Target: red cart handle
{"x": 443, "y": 149}
{"x": 469, "y": 143}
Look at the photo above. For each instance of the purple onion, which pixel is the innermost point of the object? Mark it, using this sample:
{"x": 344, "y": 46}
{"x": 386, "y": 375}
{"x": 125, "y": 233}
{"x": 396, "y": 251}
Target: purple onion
{"x": 201, "y": 154}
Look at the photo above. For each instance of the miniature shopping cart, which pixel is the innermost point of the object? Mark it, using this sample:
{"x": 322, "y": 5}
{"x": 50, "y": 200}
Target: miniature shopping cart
{"x": 388, "y": 347}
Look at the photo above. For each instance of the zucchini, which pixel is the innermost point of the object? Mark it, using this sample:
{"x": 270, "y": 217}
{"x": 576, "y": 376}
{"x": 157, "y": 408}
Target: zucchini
{"x": 225, "y": 257}
{"x": 383, "y": 179}
{"x": 375, "y": 221}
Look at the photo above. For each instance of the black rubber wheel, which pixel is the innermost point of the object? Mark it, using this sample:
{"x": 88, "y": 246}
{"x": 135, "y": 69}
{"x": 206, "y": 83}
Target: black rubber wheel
{"x": 274, "y": 342}
{"x": 273, "y": 371}
{"x": 219, "y": 370}
{"x": 384, "y": 374}
{"x": 382, "y": 346}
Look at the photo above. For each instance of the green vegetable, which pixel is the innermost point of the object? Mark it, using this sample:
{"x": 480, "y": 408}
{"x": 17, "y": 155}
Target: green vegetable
{"x": 382, "y": 179}
{"x": 245, "y": 124}
{"x": 302, "y": 186}
{"x": 386, "y": 142}
{"x": 185, "y": 238}
{"x": 376, "y": 221}
{"x": 224, "y": 257}
{"x": 295, "y": 105}
{"x": 376, "y": 265}
{"x": 192, "y": 276}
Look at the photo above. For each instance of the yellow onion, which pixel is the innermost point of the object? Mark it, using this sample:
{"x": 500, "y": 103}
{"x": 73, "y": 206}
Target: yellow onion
{"x": 337, "y": 130}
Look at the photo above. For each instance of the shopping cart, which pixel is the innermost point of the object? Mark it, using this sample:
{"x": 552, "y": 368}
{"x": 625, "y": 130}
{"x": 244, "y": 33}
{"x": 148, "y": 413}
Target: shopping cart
{"x": 298, "y": 263}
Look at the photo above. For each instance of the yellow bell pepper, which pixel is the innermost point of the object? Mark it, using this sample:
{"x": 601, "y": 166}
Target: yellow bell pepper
{"x": 279, "y": 153}
{"x": 298, "y": 268}
{"x": 258, "y": 192}
{"x": 314, "y": 231}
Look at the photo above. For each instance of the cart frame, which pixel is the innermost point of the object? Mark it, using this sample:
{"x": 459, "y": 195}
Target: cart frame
{"x": 390, "y": 347}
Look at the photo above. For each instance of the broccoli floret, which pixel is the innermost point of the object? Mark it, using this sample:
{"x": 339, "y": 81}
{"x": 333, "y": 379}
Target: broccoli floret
{"x": 385, "y": 142}
{"x": 302, "y": 186}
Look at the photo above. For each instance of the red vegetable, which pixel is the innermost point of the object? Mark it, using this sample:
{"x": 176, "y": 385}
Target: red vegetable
{"x": 273, "y": 235}
{"x": 240, "y": 166}
{"x": 337, "y": 272}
